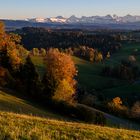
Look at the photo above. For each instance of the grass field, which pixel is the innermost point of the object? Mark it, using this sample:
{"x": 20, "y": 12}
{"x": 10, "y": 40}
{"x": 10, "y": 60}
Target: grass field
{"x": 15, "y": 126}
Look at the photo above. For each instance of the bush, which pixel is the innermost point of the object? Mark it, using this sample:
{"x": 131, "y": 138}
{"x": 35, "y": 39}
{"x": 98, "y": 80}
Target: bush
{"x": 116, "y": 106}
{"x": 135, "y": 110}
{"x": 88, "y": 115}
{"x": 5, "y": 78}
{"x": 88, "y": 99}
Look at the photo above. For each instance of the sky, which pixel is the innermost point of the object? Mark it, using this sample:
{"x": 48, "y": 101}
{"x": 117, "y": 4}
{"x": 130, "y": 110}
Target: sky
{"x": 21, "y": 9}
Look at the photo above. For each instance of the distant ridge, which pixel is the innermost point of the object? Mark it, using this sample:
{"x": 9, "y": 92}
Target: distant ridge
{"x": 108, "y": 19}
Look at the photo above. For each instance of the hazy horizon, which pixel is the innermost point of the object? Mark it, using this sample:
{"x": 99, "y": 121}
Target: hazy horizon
{"x": 16, "y": 9}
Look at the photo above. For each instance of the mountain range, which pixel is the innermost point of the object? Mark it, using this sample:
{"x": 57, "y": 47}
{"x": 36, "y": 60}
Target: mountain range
{"x": 127, "y": 22}
{"x": 108, "y": 19}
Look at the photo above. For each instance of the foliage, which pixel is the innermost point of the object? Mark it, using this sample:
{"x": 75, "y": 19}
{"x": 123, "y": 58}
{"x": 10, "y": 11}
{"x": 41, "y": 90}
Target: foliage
{"x": 98, "y": 57}
{"x": 64, "y": 92}
{"x": 60, "y": 72}
{"x": 116, "y": 106}
{"x": 5, "y": 78}
{"x": 85, "y": 52}
{"x": 35, "y": 51}
{"x": 108, "y": 55}
{"x": 88, "y": 99}
{"x": 43, "y": 52}
{"x": 126, "y": 70}
{"x": 43, "y": 38}
{"x": 11, "y": 51}
{"x": 29, "y": 77}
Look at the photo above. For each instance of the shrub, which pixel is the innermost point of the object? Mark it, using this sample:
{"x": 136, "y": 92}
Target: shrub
{"x": 5, "y": 78}
{"x": 116, "y": 106}
{"x": 89, "y": 115}
{"x": 135, "y": 110}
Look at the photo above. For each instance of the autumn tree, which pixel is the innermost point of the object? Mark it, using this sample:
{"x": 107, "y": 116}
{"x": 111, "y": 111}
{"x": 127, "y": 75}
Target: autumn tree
{"x": 5, "y": 78}
{"x": 91, "y": 54}
{"x": 64, "y": 91}
{"x": 35, "y": 51}
{"x": 108, "y": 55}
{"x": 42, "y": 51}
{"x": 12, "y": 56}
{"x": 98, "y": 57}
{"x": 116, "y": 106}
{"x": 59, "y": 77}
{"x": 10, "y": 49}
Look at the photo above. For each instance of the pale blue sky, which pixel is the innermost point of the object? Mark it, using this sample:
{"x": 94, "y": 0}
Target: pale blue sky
{"x": 20, "y": 9}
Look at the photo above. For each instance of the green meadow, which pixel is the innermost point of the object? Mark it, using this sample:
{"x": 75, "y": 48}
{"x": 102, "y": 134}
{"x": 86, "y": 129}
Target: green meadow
{"x": 89, "y": 74}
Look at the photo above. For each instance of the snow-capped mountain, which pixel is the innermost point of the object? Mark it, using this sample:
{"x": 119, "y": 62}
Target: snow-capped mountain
{"x": 39, "y": 20}
{"x": 58, "y": 19}
{"x": 108, "y": 19}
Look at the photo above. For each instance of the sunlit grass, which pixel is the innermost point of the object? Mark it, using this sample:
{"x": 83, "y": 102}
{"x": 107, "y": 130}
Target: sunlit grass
{"x": 16, "y": 126}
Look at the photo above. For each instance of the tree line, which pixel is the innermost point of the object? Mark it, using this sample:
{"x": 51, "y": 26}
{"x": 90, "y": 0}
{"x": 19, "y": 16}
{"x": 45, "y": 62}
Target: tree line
{"x": 43, "y": 38}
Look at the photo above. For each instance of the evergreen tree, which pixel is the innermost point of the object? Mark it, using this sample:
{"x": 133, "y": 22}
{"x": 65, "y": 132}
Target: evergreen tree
{"x": 29, "y": 76}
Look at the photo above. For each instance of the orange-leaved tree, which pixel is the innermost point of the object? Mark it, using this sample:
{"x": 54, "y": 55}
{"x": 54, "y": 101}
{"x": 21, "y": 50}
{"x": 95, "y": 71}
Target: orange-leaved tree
{"x": 116, "y": 105}
{"x": 59, "y": 77}
{"x": 10, "y": 49}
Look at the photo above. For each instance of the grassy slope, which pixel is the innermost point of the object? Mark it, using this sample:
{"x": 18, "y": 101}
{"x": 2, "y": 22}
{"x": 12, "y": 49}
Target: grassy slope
{"x": 10, "y": 103}
{"x": 89, "y": 74}
{"x": 24, "y": 127}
